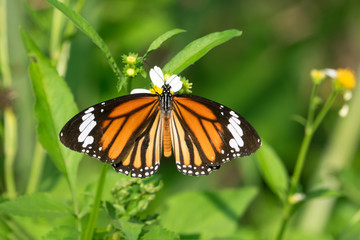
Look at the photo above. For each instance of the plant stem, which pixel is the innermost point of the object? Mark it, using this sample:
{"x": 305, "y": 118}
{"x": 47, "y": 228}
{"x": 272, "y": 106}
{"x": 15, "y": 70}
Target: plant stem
{"x": 10, "y": 121}
{"x": 57, "y": 28}
{"x": 10, "y": 146}
{"x": 306, "y": 141}
{"x": 313, "y": 105}
{"x": 324, "y": 110}
{"x": 4, "y": 57}
{"x": 281, "y": 232}
{"x": 300, "y": 160}
{"x": 36, "y": 169}
{"x": 310, "y": 128}
{"x": 89, "y": 231}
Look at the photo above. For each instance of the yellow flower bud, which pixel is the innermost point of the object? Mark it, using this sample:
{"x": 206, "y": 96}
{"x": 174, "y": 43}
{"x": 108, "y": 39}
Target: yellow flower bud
{"x": 317, "y": 75}
{"x": 130, "y": 72}
{"x": 131, "y": 59}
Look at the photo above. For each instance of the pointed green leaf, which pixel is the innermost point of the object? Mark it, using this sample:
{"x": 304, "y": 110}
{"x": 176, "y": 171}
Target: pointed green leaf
{"x": 131, "y": 230}
{"x": 198, "y": 48}
{"x": 319, "y": 193}
{"x": 273, "y": 171}
{"x": 157, "y": 42}
{"x": 53, "y": 108}
{"x": 159, "y": 232}
{"x": 323, "y": 193}
{"x": 214, "y": 214}
{"x": 35, "y": 205}
{"x": 89, "y": 31}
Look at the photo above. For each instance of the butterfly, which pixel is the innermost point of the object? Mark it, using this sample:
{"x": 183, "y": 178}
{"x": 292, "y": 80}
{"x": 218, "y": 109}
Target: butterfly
{"x": 132, "y": 132}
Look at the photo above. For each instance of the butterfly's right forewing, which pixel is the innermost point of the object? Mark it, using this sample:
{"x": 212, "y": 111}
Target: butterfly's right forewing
{"x": 111, "y": 131}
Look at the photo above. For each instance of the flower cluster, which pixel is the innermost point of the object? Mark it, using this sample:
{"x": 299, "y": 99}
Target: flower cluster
{"x": 343, "y": 81}
{"x": 133, "y": 65}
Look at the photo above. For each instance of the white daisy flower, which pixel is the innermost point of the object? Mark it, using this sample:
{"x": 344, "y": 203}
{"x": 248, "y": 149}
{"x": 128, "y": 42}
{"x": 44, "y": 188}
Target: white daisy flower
{"x": 158, "y": 79}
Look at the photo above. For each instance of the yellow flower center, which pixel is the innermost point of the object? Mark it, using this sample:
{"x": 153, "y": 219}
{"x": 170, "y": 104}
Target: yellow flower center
{"x": 131, "y": 59}
{"x": 130, "y": 72}
{"x": 345, "y": 78}
{"x": 317, "y": 75}
{"x": 156, "y": 90}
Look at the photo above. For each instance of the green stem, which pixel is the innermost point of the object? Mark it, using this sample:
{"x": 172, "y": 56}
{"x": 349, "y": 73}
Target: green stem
{"x": 306, "y": 141}
{"x": 10, "y": 122}
{"x": 300, "y": 160}
{"x": 281, "y": 232}
{"x": 64, "y": 48}
{"x": 57, "y": 28}
{"x": 4, "y": 57}
{"x": 36, "y": 169}
{"x": 310, "y": 128}
{"x": 89, "y": 231}
{"x": 313, "y": 105}
{"x": 10, "y": 146}
{"x": 324, "y": 110}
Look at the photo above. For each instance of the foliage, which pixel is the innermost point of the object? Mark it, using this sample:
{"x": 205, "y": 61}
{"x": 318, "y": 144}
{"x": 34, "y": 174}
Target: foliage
{"x": 48, "y": 193}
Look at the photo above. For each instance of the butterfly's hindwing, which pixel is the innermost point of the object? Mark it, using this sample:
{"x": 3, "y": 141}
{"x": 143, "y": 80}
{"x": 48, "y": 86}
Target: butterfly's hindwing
{"x": 206, "y": 134}
{"x": 143, "y": 159}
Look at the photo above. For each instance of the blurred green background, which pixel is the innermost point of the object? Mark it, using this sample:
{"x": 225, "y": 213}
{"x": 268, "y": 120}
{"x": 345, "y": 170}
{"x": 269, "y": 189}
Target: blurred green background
{"x": 263, "y": 75}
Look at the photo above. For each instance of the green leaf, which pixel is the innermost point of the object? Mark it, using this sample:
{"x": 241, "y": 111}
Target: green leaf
{"x": 213, "y": 214}
{"x": 273, "y": 171}
{"x": 63, "y": 232}
{"x": 319, "y": 193}
{"x": 35, "y": 205}
{"x": 352, "y": 231}
{"x": 157, "y": 42}
{"x": 198, "y": 48}
{"x": 53, "y": 108}
{"x": 159, "y": 232}
{"x": 131, "y": 230}
{"x": 322, "y": 193}
{"x": 89, "y": 31}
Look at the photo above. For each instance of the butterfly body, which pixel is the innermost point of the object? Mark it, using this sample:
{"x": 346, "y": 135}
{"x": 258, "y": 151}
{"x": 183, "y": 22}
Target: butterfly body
{"x": 134, "y": 131}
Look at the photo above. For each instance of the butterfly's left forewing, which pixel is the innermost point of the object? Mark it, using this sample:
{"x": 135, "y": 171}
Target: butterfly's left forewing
{"x": 122, "y": 131}
{"x": 206, "y": 134}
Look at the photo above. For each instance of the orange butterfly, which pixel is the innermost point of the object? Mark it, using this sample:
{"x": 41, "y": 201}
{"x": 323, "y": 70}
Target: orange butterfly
{"x": 132, "y": 132}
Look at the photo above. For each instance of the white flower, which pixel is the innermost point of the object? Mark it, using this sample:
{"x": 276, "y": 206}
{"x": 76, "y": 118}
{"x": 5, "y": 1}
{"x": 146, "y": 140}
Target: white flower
{"x": 157, "y": 76}
{"x": 297, "y": 197}
{"x": 343, "y": 112}
{"x": 158, "y": 79}
{"x": 139, "y": 90}
{"x": 330, "y": 72}
{"x": 347, "y": 95}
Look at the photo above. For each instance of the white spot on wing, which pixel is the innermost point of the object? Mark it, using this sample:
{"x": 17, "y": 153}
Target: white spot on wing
{"x": 86, "y": 131}
{"x": 236, "y": 136}
{"x": 89, "y": 118}
{"x": 235, "y": 120}
{"x": 236, "y": 126}
{"x": 88, "y": 140}
{"x": 234, "y": 145}
{"x": 234, "y": 114}
{"x": 90, "y": 110}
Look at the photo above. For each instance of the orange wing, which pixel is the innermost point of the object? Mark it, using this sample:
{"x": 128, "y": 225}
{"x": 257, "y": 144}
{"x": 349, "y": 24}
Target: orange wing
{"x": 206, "y": 134}
{"x": 125, "y": 132}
